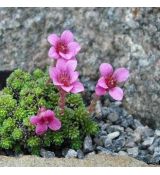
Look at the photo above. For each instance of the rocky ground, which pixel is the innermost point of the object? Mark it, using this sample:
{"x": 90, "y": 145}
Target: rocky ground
{"x": 120, "y": 134}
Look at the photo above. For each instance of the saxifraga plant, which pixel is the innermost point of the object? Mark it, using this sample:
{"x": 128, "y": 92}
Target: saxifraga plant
{"x": 22, "y": 97}
{"x": 41, "y": 110}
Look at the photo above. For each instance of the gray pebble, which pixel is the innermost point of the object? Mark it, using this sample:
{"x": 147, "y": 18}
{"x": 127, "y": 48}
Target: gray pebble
{"x": 87, "y": 145}
{"x": 71, "y": 153}
{"x": 117, "y": 128}
{"x": 113, "y": 135}
{"x": 113, "y": 117}
{"x": 133, "y": 151}
{"x": 155, "y": 159}
{"x": 107, "y": 142}
{"x": 148, "y": 141}
{"x": 47, "y": 154}
{"x": 80, "y": 154}
{"x": 98, "y": 141}
{"x": 157, "y": 133}
{"x": 137, "y": 123}
{"x": 122, "y": 153}
{"x": 157, "y": 150}
{"x": 119, "y": 143}
{"x": 130, "y": 143}
{"x": 103, "y": 150}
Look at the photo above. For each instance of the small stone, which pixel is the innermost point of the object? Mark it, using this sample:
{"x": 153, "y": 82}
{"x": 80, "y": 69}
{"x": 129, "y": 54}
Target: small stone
{"x": 113, "y": 117}
{"x": 155, "y": 159}
{"x": 117, "y": 128}
{"x": 47, "y": 154}
{"x": 103, "y": 133}
{"x": 98, "y": 141}
{"x": 136, "y": 136}
{"x": 137, "y": 123}
{"x": 133, "y": 151}
{"x": 103, "y": 150}
{"x": 148, "y": 141}
{"x": 157, "y": 150}
{"x": 128, "y": 121}
{"x": 145, "y": 131}
{"x": 107, "y": 142}
{"x": 157, "y": 133}
{"x": 122, "y": 153}
{"x": 105, "y": 112}
{"x": 104, "y": 126}
{"x": 80, "y": 154}
{"x": 71, "y": 153}
{"x": 87, "y": 145}
{"x": 113, "y": 135}
{"x": 143, "y": 155}
{"x": 130, "y": 143}
{"x": 119, "y": 143}
{"x": 90, "y": 154}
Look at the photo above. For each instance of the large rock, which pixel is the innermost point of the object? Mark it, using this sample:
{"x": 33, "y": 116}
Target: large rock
{"x": 99, "y": 160}
{"x": 127, "y": 37}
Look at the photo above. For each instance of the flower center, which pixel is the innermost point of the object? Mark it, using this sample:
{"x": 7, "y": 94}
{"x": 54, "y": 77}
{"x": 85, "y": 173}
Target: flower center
{"x": 62, "y": 47}
{"x": 64, "y": 78}
{"x": 110, "y": 82}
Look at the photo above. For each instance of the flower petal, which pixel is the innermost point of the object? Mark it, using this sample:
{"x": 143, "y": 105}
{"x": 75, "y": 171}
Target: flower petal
{"x": 34, "y": 120}
{"x": 100, "y": 91}
{"x": 71, "y": 65}
{"x": 77, "y": 87}
{"x": 67, "y": 36}
{"x": 74, "y": 48}
{"x": 116, "y": 93}
{"x": 53, "y": 73}
{"x": 74, "y": 76}
{"x": 53, "y": 39}
{"x": 121, "y": 74}
{"x": 66, "y": 56}
{"x": 52, "y": 53}
{"x": 41, "y": 129}
{"x": 105, "y": 69}
{"x": 61, "y": 65}
{"x": 67, "y": 88}
{"x": 48, "y": 115}
{"x": 102, "y": 83}
{"x": 55, "y": 124}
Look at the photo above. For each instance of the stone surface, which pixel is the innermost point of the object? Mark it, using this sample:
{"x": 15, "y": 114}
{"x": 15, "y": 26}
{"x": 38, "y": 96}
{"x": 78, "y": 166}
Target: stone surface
{"x": 148, "y": 141}
{"x": 88, "y": 146}
{"x": 113, "y": 117}
{"x": 127, "y": 37}
{"x": 47, "y": 154}
{"x": 133, "y": 151}
{"x": 71, "y": 153}
{"x": 113, "y": 135}
{"x": 100, "y": 160}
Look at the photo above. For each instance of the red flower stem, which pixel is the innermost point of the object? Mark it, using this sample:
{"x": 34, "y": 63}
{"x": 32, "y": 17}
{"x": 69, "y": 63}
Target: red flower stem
{"x": 94, "y": 100}
{"x": 62, "y": 100}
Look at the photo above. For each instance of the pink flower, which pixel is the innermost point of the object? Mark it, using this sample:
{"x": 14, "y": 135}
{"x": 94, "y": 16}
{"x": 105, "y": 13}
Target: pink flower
{"x": 64, "y": 46}
{"x": 109, "y": 80}
{"x": 65, "y": 77}
{"x": 43, "y": 120}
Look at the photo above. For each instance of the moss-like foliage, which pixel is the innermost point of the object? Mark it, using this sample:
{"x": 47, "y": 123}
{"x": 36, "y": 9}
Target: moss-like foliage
{"x": 24, "y": 95}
